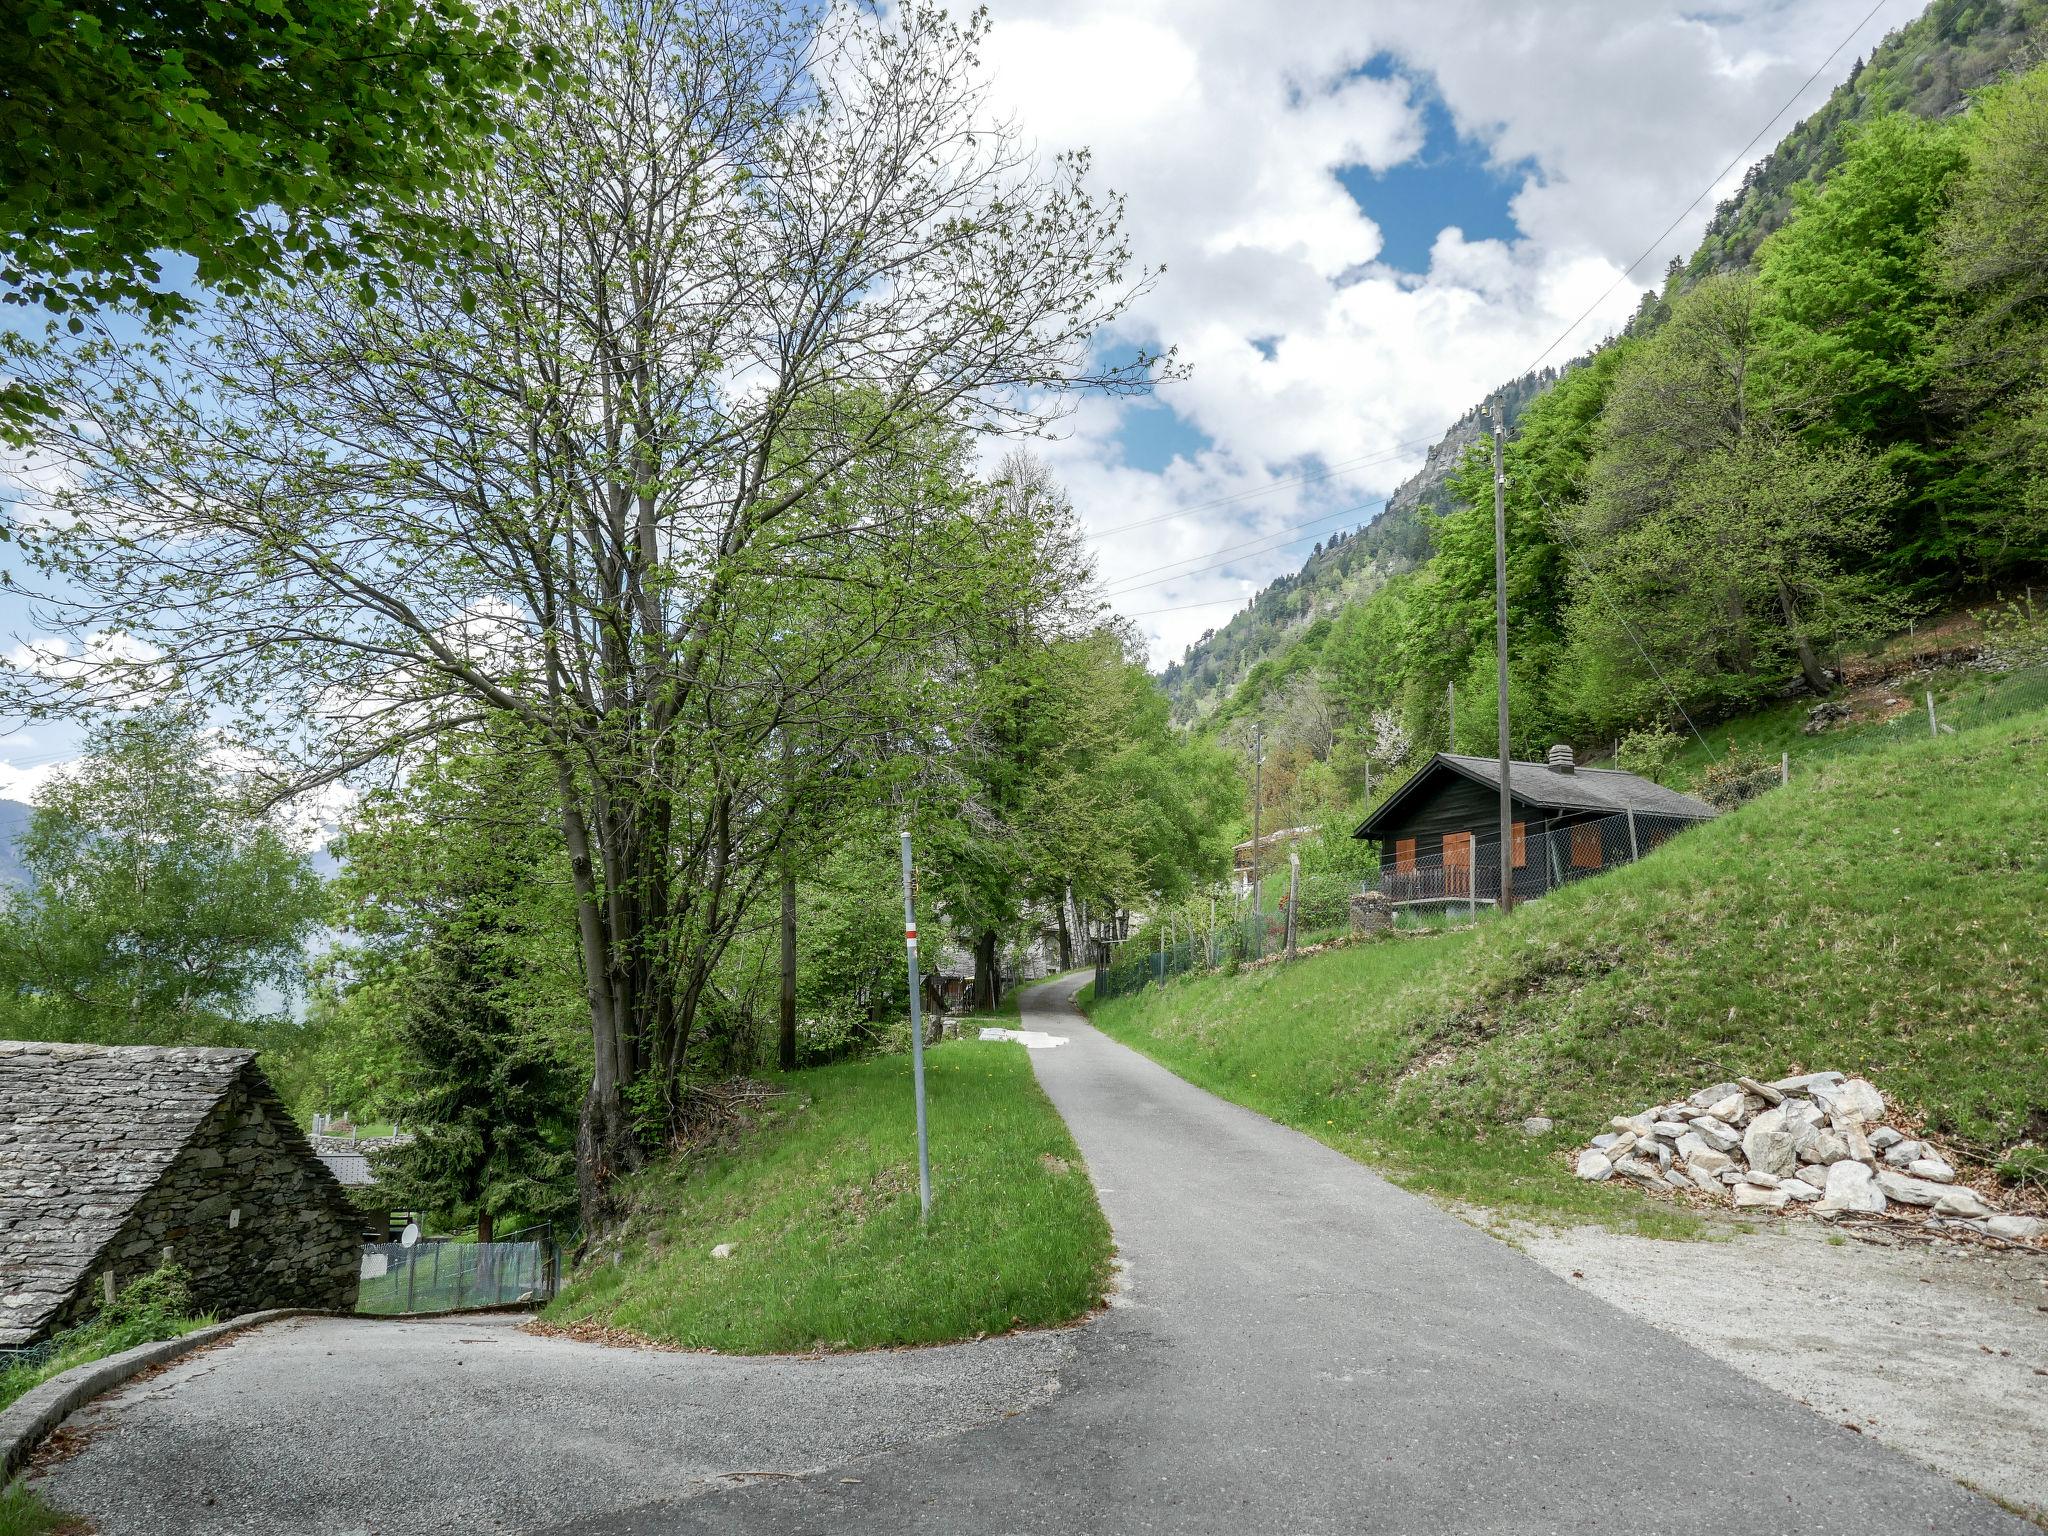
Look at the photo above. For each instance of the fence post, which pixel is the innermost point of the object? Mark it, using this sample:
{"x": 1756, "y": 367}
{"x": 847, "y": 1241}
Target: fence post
{"x": 1634, "y": 852}
{"x": 1293, "y": 896}
{"x": 1932, "y": 729}
{"x": 1784, "y": 768}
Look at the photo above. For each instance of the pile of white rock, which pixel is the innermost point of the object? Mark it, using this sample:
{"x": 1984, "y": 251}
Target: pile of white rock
{"x": 1817, "y": 1141}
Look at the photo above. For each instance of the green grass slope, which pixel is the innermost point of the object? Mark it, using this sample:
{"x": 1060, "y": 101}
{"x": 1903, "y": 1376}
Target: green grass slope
{"x": 1885, "y": 915}
{"x": 820, "y": 1205}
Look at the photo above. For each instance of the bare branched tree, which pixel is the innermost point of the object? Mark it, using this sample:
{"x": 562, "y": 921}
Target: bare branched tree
{"x": 660, "y": 465}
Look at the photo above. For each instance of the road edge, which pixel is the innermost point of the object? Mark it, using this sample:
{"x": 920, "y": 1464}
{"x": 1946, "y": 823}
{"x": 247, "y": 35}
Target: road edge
{"x": 29, "y": 1419}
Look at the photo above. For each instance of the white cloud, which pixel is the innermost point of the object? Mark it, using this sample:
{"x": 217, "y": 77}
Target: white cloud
{"x": 1226, "y": 124}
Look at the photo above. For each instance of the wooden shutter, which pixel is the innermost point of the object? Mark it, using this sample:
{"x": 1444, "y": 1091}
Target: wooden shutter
{"x": 1521, "y": 840}
{"x": 1457, "y": 863}
{"x": 1586, "y": 846}
{"x": 1404, "y": 856}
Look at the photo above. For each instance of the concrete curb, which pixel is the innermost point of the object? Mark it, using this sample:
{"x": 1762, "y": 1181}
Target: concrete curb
{"x": 29, "y": 1418}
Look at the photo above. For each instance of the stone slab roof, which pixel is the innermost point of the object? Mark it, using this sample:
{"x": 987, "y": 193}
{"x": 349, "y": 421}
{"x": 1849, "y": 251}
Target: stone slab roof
{"x": 85, "y": 1132}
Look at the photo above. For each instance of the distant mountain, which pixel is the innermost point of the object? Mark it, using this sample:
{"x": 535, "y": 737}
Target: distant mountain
{"x": 13, "y": 822}
{"x": 1928, "y": 66}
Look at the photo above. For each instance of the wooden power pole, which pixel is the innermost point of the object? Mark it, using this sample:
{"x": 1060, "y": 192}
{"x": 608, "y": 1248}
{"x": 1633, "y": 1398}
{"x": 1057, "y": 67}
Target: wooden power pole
{"x": 1500, "y": 643}
{"x": 1258, "y": 763}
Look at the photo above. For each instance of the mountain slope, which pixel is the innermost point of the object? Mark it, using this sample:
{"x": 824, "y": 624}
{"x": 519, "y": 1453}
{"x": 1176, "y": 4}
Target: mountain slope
{"x": 1926, "y": 67}
{"x": 1747, "y": 945}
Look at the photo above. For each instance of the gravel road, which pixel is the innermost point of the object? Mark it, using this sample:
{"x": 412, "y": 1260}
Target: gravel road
{"x": 1940, "y": 1350}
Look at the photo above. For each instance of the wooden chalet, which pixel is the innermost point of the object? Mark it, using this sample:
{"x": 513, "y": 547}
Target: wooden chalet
{"x": 1439, "y": 833}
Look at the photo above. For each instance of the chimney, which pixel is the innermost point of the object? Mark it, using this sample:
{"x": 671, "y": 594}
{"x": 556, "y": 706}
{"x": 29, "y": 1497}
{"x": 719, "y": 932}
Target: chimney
{"x": 1561, "y": 759}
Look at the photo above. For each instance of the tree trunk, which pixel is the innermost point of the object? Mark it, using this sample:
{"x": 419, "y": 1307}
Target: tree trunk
{"x": 1066, "y": 933}
{"x": 1809, "y": 664}
{"x": 785, "y": 1035}
{"x": 987, "y": 985}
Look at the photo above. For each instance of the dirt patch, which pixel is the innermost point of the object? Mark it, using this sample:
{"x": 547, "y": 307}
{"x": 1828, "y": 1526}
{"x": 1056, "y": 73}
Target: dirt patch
{"x": 1935, "y": 1349}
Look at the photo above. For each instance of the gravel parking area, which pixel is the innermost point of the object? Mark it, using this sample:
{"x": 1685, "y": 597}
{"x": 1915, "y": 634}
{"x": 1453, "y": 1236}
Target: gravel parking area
{"x": 1938, "y": 1350}
{"x": 360, "y": 1427}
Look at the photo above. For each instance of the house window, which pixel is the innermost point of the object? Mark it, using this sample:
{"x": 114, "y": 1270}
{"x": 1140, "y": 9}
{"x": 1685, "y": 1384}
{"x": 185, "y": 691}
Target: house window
{"x": 1586, "y": 846}
{"x": 1521, "y": 842}
{"x": 1404, "y": 856}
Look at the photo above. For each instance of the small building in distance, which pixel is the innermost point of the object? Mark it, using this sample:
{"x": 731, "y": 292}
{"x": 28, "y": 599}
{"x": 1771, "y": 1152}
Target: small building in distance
{"x": 114, "y": 1157}
{"x": 348, "y": 1159}
{"x": 1439, "y": 833}
{"x": 1269, "y": 847}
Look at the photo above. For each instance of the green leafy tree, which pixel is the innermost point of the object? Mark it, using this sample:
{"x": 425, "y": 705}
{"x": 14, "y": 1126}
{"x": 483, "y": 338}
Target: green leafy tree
{"x": 462, "y": 984}
{"x": 165, "y": 909}
{"x": 582, "y": 471}
{"x": 1991, "y": 384}
{"x": 237, "y": 132}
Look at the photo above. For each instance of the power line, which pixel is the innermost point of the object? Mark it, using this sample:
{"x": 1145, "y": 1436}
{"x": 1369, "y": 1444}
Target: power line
{"x": 1535, "y": 362}
{"x": 1129, "y": 583}
{"x": 1384, "y": 456}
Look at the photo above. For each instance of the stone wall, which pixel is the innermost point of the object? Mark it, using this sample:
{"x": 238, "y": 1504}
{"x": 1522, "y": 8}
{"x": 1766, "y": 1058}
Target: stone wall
{"x": 248, "y": 1210}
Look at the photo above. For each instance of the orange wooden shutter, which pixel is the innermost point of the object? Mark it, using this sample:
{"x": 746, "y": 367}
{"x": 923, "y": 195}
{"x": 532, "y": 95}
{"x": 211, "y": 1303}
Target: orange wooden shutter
{"x": 1521, "y": 844}
{"x": 1404, "y": 856}
{"x": 1457, "y": 863}
{"x": 1585, "y": 846}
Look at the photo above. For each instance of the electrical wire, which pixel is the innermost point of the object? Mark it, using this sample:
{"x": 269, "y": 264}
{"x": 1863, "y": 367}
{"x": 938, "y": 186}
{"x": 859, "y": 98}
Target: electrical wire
{"x": 1534, "y": 363}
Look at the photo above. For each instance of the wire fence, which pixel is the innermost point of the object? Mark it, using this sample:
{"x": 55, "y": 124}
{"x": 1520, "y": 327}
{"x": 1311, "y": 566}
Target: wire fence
{"x": 1419, "y": 891}
{"x": 450, "y": 1275}
{"x": 1467, "y": 870}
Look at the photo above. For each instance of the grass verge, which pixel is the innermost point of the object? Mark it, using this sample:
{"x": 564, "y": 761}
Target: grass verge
{"x": 1882, "y": 915}
{"x": 819, "y": 1203}
{"x": 153, "y": 1307}
{"x": 23, "y": 1513}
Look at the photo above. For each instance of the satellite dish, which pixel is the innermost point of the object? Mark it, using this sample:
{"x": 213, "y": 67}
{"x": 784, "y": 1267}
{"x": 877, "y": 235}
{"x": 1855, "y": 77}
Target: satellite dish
{"x": 410, "y": 1235}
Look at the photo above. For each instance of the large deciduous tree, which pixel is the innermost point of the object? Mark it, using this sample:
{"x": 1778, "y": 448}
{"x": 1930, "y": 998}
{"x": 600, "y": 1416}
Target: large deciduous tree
{"x": 643, "y": 468}
{"x": 234, "y": 132}
{"x": 164, "y": 910}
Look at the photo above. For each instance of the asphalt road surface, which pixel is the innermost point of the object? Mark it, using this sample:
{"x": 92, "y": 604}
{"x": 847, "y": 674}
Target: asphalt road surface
{"x": 1303, "y": 1347}
{"x": 1299, "y": 1347}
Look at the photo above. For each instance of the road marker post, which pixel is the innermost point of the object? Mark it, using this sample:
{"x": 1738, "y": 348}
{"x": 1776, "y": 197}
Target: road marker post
{"x": 924, "y": 1148}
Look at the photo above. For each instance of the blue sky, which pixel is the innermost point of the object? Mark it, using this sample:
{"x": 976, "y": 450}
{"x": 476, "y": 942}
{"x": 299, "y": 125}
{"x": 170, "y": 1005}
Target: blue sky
{"x": 1368, "y": 217}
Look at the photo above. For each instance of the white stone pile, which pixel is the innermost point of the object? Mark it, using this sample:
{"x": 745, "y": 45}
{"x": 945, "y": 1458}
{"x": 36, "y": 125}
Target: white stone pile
{"x": 1817, "y": 1141}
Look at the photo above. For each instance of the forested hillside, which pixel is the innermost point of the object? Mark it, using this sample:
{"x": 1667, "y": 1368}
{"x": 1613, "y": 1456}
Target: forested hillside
{"x": 1770, "y": 469}
{"x": 1925, "y": 69}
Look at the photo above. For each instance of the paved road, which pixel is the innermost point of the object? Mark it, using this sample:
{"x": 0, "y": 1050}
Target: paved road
{"x": 1304, "y": 1347}
{"x": 352, "y": 1426}
{"x": 1301, "y": 1348}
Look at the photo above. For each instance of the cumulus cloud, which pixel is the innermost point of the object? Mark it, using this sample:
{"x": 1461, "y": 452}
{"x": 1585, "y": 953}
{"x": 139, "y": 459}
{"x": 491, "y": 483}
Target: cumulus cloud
{"x": 1226, "y": 125}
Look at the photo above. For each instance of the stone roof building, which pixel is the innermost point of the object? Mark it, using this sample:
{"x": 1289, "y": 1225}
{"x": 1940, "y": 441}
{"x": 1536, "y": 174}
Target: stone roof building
{"x": 111, "y": 1155}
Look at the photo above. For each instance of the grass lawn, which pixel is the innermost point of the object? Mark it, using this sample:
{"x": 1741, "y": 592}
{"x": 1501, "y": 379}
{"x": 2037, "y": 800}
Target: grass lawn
{"x": 820, "y": 1204}
{"x": 1883, "y": 915}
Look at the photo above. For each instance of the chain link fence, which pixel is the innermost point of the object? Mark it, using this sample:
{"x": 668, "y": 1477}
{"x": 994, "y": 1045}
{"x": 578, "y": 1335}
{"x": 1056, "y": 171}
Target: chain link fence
{"x": 450, "y": 1275}
{"x": 1427, "y": 891}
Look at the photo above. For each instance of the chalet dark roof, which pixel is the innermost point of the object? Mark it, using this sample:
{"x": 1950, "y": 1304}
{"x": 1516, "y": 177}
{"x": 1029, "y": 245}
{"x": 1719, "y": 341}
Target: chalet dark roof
{"x": 85, "y": 1132}
{"x": 1602, "y": 791}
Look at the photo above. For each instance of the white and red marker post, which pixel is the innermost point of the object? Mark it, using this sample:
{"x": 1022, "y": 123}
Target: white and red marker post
{"x": 924, "y": 1150}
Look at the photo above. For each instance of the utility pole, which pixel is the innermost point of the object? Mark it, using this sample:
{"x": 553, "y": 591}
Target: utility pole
{"x": 1500, "y": 642}
{"x": 924, "y": 1150}
{"x": 1258, "y": 765}
{"x": 1258, "y": 788}
{"x": 1451, "y": 708}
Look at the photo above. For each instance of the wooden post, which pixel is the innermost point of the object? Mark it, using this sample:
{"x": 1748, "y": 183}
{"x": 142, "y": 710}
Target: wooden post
{"x": 1932, "y": 729}
{"x": 1634, "y": 851}
{"x": 1293, "y": 897}
{"x": 1784, "y": 767}
{"x": 1451, "y": 708}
